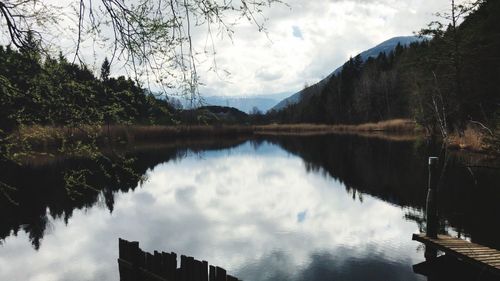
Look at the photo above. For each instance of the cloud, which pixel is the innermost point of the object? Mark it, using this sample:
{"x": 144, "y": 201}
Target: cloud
{"x": 324, "y": 35}
{"x": 267, "y": 75}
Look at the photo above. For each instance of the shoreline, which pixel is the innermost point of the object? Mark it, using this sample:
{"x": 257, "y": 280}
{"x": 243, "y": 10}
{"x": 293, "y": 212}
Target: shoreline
{"x": 46, "y": 137}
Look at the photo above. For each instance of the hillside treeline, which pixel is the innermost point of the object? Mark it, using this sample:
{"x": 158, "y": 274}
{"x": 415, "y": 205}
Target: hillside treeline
{"x": 55, "y": 92}
{"x": 444, "y": 83}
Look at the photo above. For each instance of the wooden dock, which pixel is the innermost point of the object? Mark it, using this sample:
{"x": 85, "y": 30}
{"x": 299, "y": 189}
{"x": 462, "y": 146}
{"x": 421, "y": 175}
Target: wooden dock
{"x": 475, "y": 254}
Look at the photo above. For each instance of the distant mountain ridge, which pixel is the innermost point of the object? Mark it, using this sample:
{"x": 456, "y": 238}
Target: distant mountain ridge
{"x": 384, "y": 47}
{"x": 243, "y": 103}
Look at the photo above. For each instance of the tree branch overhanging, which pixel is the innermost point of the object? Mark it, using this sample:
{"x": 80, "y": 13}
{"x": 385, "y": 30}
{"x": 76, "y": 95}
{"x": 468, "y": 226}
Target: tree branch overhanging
{"x": 152, "y": 38}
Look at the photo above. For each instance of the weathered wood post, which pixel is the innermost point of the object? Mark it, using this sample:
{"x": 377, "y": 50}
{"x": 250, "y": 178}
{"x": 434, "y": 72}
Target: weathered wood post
{"x": 136, "y": 265}
{"x": 129, "y": 261}
{"x": 431, "y": 207}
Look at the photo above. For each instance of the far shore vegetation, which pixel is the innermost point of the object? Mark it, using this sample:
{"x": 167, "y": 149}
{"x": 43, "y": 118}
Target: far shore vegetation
{"x": 49, "y": 137}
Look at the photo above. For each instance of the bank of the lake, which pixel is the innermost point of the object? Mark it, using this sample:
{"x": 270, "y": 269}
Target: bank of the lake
{"x": 472, "y": 139}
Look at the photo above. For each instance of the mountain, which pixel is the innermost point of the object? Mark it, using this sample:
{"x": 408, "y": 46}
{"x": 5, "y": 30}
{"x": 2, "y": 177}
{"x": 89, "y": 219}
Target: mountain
{"x": 246, "y": 103}
{"x": 214, "y": 115}
{"x": 384, "y": 47}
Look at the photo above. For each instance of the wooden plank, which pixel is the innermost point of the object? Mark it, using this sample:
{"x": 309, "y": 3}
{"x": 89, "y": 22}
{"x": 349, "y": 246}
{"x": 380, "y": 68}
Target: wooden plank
{"x": 212, "y": 273}
{"x": 469, "y": 251}
{"x": 476, "y": 252}
{"x": 484, "y": 258}
{"x": 458, "y": 243}
{"x": 204, "y": 269}
{"x": 220, "y": 274}
{"x": 184, "y": 268}
{"x": 491, "y": 262}
{"x": 465, "y": 250}
{"x": 488, "y": 260}
{"x": 479, "y": 255}
{"x": 450, "y": 240}
{"x": 475, "y": 249}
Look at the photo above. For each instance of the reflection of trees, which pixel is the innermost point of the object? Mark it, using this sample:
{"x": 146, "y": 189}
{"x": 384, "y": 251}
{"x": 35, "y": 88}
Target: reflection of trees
{"x": 396, "y": 172}
{"x": 387, "y": 170}
{"x": 41, "y": 191}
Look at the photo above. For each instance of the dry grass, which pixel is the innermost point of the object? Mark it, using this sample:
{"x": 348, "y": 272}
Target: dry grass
{"x": 46, "y": 136}
{"x": 395, "y": 125}
{"x": 149, "y": 133}
{"x": 472, "y": 139}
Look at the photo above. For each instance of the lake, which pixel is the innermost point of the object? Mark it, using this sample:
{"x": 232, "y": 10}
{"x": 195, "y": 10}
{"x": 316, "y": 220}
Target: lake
{"x": 328, "y": 207}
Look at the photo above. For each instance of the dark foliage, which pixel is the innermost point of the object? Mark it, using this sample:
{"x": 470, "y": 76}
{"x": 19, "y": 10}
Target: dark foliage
{"x": 53, "y": 91}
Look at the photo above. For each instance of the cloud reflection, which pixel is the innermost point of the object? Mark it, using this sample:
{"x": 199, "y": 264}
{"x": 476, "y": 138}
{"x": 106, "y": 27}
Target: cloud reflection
{"x": 239, "y": 210}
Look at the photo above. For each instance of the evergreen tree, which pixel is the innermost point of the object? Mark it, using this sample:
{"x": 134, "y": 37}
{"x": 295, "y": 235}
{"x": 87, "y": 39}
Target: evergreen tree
{"x": 105, "y": 69}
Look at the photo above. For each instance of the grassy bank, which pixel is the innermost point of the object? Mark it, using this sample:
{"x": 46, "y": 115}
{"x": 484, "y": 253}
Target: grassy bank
{"x": 399, "y": 126}
{"x": 46, "y": 137}
{"x": 53, "y": 136}
{"x": 473, "y": 139}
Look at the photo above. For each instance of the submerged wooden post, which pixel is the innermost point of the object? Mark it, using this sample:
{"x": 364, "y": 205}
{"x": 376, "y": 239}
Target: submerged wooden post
{"x": 431, "y": 207}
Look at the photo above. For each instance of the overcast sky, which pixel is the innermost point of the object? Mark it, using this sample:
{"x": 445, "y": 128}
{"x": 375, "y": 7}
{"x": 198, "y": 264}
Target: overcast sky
{"x": 307, "y": 41}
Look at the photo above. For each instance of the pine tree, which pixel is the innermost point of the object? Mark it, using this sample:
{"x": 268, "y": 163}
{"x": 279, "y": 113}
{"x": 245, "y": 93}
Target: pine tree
{"x": 105, "y": 69}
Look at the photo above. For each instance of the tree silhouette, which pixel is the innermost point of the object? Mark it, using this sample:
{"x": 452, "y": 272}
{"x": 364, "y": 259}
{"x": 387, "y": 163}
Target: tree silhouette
{"x": 105, "y": 69}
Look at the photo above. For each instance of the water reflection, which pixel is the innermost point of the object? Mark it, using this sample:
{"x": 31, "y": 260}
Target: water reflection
{"x": 41, "y": 194}
{"x": 396, "y": 172}
{"x": 273, "y": 209}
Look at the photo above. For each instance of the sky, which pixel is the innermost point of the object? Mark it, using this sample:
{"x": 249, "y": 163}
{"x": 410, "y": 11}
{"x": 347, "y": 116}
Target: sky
{"x": 304, "y": 42}
{"x": 307, "y": 41}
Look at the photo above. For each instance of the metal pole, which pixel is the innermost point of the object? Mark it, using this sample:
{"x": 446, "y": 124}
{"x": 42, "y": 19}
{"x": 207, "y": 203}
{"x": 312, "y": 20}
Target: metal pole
{"x": 431, "y": 206}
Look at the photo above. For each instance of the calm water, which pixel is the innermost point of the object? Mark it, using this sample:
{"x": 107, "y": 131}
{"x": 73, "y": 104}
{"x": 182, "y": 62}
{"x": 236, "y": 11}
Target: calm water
{"x": 293, "y": 208}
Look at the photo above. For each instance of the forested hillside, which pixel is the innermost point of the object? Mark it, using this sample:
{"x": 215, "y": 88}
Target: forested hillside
{"x": 443, "y": 83}
{"x": 56, "y": 92}
{"x": 384, "y": 47}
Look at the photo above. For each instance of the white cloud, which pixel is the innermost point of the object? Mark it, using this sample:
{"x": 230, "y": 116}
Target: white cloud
{"x": 308, "y": 40}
